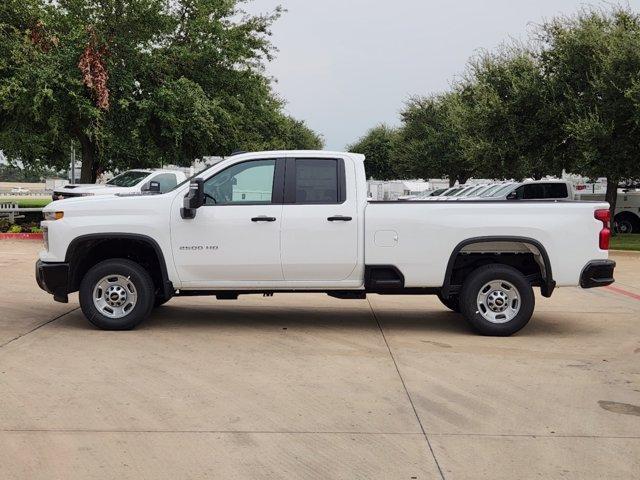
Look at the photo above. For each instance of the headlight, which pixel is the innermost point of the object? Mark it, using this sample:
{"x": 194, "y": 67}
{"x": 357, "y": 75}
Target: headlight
{"x": 53, "y": 215}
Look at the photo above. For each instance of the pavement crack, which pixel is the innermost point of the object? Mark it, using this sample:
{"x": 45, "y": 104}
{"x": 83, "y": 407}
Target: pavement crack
{"x": 37, "y": 328}
{"x": 219, "y": 431}
{"x": 406, "y": 390}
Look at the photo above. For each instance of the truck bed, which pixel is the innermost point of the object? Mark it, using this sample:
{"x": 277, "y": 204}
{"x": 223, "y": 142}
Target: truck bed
{"x": 419, "y": 237}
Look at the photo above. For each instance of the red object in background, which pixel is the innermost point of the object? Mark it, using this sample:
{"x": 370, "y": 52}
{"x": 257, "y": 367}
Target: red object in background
{"x": 605, "y": 234}
{"x": 20, "y": 236}
{"x": 581, "y": 187}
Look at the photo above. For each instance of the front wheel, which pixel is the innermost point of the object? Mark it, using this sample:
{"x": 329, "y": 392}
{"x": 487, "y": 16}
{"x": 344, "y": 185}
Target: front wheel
{"x": 497, "y": 300}
{"x": 116, "y": 294}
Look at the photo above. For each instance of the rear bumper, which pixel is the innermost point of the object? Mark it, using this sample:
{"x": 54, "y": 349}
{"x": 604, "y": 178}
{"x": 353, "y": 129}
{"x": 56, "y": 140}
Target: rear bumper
{"x": 597, "y": 273}
{"x": 53, "y": 278}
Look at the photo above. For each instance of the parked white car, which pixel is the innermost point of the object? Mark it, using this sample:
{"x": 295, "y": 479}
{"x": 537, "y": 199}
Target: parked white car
{"x": 129, "y": 182}
{"x": 298, "y": 221}
{"x": 20, "y": 191}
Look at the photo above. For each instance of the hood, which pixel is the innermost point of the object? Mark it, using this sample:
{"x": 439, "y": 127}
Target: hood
{"x": 92, "y": 205}
{"x": 100, "y": 189}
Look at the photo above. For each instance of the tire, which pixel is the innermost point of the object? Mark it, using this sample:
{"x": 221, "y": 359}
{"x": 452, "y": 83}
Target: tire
{"x": 626, "y": 223}
{"x": 119, "y": 285}
{"x": 452, "y": 303}
{"x": 500, "y": 309}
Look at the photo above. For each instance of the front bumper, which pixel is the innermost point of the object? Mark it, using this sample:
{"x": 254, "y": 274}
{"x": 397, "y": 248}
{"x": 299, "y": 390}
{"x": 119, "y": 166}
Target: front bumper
{"x": 53, "y": 278}
{"x": 597, "y": 273}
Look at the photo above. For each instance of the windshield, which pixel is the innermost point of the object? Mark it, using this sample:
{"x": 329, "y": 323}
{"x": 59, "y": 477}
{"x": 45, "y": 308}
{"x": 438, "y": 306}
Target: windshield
{"x": 207, "y": 166}
{"x": 127, "y": 179}
{"x": 491, "y": 189}
{"x": 503, "y": 190}
{"x": 473, "y": 191}
{"x": 451, "y": 191}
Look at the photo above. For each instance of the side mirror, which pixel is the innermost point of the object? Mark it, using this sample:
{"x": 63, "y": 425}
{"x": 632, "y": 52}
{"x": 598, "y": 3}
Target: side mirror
{"x": 512, "y": 196}
{"x": 151, "y": 187}
{"x": 194, "y": 199}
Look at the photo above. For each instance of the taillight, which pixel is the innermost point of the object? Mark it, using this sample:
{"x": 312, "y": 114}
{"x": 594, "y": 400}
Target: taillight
{"x": 605, "y": 234}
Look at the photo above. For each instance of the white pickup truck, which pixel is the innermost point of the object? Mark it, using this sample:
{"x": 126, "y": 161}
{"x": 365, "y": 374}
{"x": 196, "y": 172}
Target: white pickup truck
{"x": 300, "y": 221}
{"x": 130, "y": 182}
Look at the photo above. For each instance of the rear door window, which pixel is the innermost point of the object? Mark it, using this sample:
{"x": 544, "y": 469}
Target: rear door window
{"x": 315, "y": 181}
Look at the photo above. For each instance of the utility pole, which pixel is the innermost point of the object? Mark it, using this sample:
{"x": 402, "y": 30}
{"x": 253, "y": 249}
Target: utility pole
{"x": 73, "y": 163}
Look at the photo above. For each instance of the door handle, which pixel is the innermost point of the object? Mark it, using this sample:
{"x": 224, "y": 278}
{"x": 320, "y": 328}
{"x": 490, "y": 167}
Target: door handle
{"x": 339, "y": 218}
{"x": 263, "y": 218}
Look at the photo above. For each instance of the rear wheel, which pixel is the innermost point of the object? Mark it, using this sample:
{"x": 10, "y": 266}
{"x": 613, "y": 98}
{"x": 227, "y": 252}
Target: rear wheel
{"x": 116, "y": 294}
{"x": 497, "y": 300}
{"x": 452, "y": 303}
{"x": 627, "y": 223}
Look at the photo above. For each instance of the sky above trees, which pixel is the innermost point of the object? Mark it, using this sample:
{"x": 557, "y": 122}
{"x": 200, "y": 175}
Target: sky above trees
{"x": 344, "y": 66}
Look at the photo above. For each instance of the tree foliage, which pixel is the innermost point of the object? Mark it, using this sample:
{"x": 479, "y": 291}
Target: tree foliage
{"x": 378, "y": 145}
{"x": 138, "y": 82}
{"x": 430, "y": 142}
{"x": 593, "y": 60}
{"x": 570, "y": 99}
{"x": 510, "y": 124}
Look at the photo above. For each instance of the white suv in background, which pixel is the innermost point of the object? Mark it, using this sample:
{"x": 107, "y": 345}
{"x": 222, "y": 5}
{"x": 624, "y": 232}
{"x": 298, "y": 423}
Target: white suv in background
{"x": 129, "y": 182}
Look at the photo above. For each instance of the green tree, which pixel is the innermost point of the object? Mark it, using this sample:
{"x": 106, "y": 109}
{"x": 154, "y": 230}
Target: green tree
{"x": 429, "y": 140}
{"x": 511, "y": 124}
{"x": 137, "y": 82}
{"x": 378, "y": 146}
{"x": 593, "y": 60}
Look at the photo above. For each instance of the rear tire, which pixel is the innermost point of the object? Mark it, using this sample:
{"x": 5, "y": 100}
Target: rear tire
{"x": 626, "y": 223}
{"x": 452, "y": 303}
{"x": 116, "y": 294}
{"x": 497, "y": 300}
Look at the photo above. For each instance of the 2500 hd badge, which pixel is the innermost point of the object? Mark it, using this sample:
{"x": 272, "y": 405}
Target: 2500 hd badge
{"x": 198, "y": 248}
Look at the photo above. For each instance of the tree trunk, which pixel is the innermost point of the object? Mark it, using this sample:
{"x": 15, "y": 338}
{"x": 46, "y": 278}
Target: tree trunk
{"x": 462, "y": 179}
{"x": 452, "y": 181}
{"x": 612, "y": 197}
{"x": 89, "y": 170}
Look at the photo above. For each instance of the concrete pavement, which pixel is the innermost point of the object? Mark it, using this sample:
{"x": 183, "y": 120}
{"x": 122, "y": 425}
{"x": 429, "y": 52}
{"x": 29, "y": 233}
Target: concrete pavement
{"x": 306, "y": 386}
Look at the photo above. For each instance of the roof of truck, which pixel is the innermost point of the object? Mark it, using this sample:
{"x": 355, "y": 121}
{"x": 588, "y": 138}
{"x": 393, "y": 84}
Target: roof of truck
{"x": 301, "y": 153}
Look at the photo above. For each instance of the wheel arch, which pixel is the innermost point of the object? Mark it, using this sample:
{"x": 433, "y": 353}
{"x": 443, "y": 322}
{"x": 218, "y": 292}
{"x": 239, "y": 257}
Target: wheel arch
{"x": 548, "y": 284}
{"x": 87, "y": 243}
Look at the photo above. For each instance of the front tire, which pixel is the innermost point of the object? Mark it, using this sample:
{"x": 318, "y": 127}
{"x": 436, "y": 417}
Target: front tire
{"x": 497, "y": 300}
{"x": 116, "y": 294}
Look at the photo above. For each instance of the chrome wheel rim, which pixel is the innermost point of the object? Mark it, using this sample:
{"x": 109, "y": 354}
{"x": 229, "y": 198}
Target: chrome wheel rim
{"x": 115, "y": 296}
{"x": 498, "y": 301}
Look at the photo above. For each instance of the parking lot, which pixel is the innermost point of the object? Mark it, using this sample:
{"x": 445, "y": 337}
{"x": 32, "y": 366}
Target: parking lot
{"x": 306, "y": 386}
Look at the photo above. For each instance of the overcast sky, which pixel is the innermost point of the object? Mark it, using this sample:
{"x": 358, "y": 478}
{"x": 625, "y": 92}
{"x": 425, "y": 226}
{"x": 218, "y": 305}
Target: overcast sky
{"x": 344, "y": 66}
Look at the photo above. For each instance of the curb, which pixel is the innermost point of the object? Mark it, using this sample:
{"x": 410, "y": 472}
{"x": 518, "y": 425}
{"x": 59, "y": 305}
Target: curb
{"x": 20, "y": 236}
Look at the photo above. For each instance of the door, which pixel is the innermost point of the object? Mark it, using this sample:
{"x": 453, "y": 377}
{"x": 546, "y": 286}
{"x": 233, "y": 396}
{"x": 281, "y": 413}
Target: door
{"x": 319, "y": 221}
{"x": 235, "y": 236}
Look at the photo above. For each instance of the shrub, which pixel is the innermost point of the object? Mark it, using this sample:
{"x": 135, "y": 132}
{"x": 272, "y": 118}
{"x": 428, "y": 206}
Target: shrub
{"x": 15, "y": 229}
